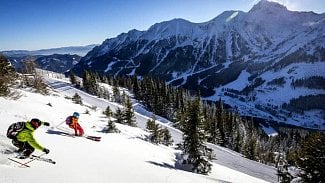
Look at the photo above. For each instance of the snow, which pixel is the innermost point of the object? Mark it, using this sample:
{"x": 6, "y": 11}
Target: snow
{"x": 171, "y": 28}
{"x": 228, "y": 46}
{"x": 273, "y": 96}
{"x": 109, "y": 66}
{"x": 279, "y": 95}
{"x": 119, "y": 157}
{"x": 232, "y": 16}
{"x": 240, "y": 83}
{"x": 270, "y": 131}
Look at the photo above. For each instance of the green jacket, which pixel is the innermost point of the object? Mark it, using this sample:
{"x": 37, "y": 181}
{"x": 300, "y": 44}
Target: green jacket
{"x": 27, "y": 135}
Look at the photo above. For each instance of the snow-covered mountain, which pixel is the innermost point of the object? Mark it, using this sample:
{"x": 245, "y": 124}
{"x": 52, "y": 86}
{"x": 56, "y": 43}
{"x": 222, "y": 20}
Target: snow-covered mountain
{"x": 78, "y": 50}
{"x": 57, "y": 62}
{"x": 253, "y": 60}
{"x": 118, "y": 157}
{"x": 53, "y": 59}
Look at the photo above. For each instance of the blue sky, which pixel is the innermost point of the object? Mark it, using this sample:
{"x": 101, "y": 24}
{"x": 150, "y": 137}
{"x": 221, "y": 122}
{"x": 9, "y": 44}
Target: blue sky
{"x": 39, "y": 24}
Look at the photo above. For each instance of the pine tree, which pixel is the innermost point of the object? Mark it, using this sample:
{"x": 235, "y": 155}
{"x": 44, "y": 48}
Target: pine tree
{"x": 250, "y": 143}
{"x": 128, "y": 112}
{"x": 217, "y": 137}
{"x": 166, "y": 137}
{"x": 135, "y": 87}
{"x": 31, "y": 77}
{"x": 157, "y": 134}
{"x": 77, "y": 99}
{"x": 86, "y": 80}
{"x": 150, "y": 124}
{"x": 249, "y": 148}
{"x": 155, "y": 131}
{"x": 123, "y": 98}
{"x": 89, "y": 81}
{"x": 180, "y": 119}
{"x": 111, "y": 127}
{"x": 29, "y": 65}
{"x": 282, "y": 169}
{"x": 220, "y": 120}
{"x": 73, "y": 79}
{"x": 195, "y": 152}
{"x": 108, "y": 112}
{"x": 7, "y": 76}
{"x": 237, "y": 143}
{"x": 39, "y": 84}
{"x": 116, "y": 95}
{"x": 311, "y": 158}
{"x": 118, "y": 115}
{"x": 211, "y": 127}
{"x": 228, "y": 126}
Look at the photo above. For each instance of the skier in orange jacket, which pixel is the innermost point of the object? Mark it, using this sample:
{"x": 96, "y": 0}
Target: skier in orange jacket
{"x": 72, "y": 121}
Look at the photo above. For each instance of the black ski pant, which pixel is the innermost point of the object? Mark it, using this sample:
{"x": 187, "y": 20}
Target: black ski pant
{"x": 23, "y": 147}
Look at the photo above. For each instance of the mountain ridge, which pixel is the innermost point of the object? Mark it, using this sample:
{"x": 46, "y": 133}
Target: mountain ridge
{"x": 79, "y": 50}
{"x": 209, "y": 56}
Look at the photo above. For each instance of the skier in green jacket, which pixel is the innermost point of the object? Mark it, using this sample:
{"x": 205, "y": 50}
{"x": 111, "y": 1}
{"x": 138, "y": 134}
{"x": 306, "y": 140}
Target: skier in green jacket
{"x": 25, "y": 140}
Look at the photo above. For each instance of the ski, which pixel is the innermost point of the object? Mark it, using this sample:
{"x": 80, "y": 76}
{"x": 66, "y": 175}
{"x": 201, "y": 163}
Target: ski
{"x": 20, "y": 163}
{"x": 94, "y": 138}
{"x": 90, "y": 137}
{"x": 48, "y": 160}
{"x": 30, "y": 159}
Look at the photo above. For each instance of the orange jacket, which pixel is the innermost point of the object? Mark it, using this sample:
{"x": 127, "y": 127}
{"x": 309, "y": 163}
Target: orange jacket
{"x": 71, "y": 121}
{"x": 74, "y": 121}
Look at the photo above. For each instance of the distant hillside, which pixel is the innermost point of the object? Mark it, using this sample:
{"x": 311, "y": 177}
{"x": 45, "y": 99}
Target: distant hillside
{"x": 78, "y": 50}
{"x": 57, "y": 62}
{"x": 54, "y": 59}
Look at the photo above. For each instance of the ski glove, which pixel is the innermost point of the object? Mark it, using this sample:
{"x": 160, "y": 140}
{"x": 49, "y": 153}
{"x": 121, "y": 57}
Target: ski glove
{"x": 46, "y": 124}
{"x": 46, "y": 150}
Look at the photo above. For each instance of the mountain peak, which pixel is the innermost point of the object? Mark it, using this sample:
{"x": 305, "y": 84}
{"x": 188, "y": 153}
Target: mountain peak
{"x": 171, "y": 23}
{"x": 265, "y": 5}
{"x": 175, "y": 26}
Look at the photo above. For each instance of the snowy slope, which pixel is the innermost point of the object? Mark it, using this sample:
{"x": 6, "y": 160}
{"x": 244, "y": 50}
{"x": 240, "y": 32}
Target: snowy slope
{"x": 123, "y": 157}
{"x": 275, "y": 96}
{"x": 224, "y": 156}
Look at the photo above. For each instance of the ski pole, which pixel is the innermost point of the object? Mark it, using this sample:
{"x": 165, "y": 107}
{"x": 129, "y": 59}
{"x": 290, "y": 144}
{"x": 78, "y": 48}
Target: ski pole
{"x": 59, "y": 124}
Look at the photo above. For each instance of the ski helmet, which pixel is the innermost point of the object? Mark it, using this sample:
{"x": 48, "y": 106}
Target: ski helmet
{"x": 76, "y": 115}
{"x": 35, "y": 123}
